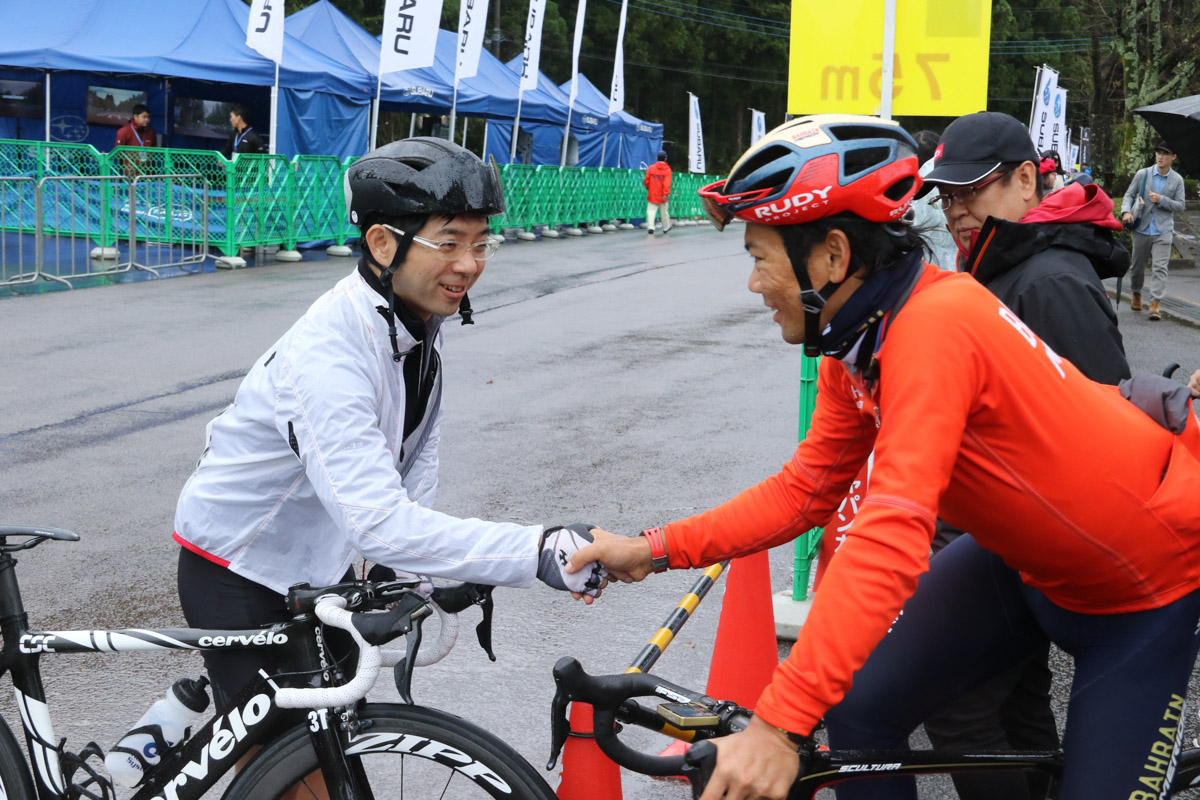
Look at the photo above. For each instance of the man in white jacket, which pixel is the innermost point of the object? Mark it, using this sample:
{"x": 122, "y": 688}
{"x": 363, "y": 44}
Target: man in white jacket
{"x": 329, "y": 449}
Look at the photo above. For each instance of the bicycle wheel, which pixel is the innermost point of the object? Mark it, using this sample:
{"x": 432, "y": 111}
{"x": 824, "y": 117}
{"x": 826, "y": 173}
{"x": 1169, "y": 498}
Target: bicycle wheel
{"x": 15, "y": 781}
{"x": 407, "y": 753}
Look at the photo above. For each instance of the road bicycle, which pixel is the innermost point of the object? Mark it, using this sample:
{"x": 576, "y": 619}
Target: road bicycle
{"x": 695, "y": 718}
{"x": 691, "y": 716}
{"x": 308, "y": 716}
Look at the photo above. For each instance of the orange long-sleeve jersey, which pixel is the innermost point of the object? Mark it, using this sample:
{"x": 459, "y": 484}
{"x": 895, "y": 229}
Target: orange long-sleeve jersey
{"x": 975, "y": 419}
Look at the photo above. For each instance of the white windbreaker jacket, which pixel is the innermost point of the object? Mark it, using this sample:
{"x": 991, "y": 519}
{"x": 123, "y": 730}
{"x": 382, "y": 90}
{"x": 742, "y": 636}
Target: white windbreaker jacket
{"x": 306, "y": 467}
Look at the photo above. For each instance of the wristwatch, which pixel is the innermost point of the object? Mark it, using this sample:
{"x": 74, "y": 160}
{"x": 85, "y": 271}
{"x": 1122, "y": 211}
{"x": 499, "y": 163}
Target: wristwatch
{"x": 658, "y": 549}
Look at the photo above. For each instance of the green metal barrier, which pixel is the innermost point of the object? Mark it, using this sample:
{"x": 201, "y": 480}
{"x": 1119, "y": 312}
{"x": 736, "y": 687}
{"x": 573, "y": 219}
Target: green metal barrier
{"x": 263, "y": 193}
{"x": 30, "y": 159}
{"x": 808, "y": 543}
{"x": 320, "y": 202}
{"x": 256, "y": 200}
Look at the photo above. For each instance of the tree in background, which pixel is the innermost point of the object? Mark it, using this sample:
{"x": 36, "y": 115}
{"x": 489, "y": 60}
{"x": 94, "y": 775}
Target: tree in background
{"x": 1157, "y": 48}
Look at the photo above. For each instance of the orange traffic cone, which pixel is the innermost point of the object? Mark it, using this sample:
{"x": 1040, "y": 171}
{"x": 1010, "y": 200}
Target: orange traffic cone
{"x": 587, "y": 773}
{"x": 745, "y": 654}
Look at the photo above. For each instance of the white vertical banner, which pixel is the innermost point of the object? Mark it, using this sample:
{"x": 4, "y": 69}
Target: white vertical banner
{"x": 529, "y": 65}
{"x": 566, "y": 140}
{"x": 264, "y": 33}
{"x": 472, "y": 23}
{"x": 758, "y": 125}
{"x": 1043, "y": 103}
{"x": 533, "y": 45}
{"x": 264, "y": 28}
{"x": 410, "y": 34}
{"x": 695, "y": 136}
{"x": 1058, "y": 121}
{"x": 579, "y": 13}
{"x": 616, "y": 98}
{"x": 1075, "y": 165}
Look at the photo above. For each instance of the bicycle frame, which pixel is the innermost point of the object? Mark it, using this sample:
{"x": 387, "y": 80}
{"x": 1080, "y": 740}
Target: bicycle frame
{"x": 188, "y": 772}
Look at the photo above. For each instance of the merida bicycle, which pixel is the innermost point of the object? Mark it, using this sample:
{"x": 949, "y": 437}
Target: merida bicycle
{"x": 309, "y": 718}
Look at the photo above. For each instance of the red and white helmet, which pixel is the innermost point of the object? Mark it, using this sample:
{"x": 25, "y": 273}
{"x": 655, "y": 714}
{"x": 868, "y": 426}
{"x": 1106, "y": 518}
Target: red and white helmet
{"x": 814, "y": 167}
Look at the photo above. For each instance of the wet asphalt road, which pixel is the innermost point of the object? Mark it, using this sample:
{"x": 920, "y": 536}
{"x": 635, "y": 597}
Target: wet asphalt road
{"x": 620, "y": 379}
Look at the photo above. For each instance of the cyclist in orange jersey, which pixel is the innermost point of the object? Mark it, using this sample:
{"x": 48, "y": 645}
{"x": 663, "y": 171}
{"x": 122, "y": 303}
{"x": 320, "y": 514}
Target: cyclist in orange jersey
{"x": 1091, "y": 537}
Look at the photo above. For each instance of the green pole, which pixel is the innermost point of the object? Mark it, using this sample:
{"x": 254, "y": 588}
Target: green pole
{"x": 807, "y": 543}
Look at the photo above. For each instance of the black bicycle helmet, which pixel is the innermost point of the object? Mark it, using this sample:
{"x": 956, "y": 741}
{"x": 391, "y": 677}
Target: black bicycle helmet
{"x": 423, "y": 175}
{"x": 414, "y": 178}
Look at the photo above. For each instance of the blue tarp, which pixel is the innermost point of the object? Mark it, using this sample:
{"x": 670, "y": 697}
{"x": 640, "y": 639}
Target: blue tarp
{"x": 195, "y": 40}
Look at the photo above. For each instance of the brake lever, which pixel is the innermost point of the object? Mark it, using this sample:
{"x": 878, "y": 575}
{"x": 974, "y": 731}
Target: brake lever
{"x": 403, "y": 670}
{"x": 483, "y": 631}
{"x": 560, "y": 727}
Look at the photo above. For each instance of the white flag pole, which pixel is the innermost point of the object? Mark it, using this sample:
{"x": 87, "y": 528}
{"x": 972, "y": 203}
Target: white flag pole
{"x": 47, "y": 105}
{"x": 274, "y": 110}
{"x": 375, "y": 112}
{"x": 1037, "y": 87}
{"x": 889, "y": 56}
{"x": 512, "y": 155}
{"x": 562, "y": 155}
{"x": 453, "y": 110}
{"x": 579, "y": 15}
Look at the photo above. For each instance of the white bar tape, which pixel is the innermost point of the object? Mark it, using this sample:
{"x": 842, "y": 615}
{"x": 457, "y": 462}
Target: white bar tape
{"x": 332, "y": 611}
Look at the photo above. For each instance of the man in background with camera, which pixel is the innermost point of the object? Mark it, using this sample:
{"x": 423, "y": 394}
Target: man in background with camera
{"x": 1148, "y": 209}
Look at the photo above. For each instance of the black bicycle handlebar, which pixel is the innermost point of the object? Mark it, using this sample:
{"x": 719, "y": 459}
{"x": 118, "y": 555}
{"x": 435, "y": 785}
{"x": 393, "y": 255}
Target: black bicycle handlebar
{"x": 609, "y": 696}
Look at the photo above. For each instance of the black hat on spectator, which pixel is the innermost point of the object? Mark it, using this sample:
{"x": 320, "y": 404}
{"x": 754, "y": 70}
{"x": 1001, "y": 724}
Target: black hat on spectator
{"x": 974, "y": 145}
{"x": 1163, "y": 147}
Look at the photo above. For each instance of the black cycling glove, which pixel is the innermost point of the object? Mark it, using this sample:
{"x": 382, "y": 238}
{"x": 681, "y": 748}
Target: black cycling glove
{"x": 558, "y": 545}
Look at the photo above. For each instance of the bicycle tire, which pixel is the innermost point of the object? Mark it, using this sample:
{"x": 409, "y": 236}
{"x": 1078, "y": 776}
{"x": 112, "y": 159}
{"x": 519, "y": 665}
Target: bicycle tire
{"x": 15, "y": 781}
{"x": 440, "y": 756}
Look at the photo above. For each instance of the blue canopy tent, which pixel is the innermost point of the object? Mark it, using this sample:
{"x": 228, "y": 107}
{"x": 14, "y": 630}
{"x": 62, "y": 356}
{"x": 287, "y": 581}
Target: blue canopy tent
{"x": 541, "y": 141}
{"x": 491, "y": 94}
{"x": 640, "y": 140}
{"x": 631, "y": 142}
{"x": 192, "y": 49}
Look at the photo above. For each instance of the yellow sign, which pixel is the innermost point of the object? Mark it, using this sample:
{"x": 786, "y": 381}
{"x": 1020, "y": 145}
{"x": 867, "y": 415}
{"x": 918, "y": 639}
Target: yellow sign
{"x": 940, "y": 64}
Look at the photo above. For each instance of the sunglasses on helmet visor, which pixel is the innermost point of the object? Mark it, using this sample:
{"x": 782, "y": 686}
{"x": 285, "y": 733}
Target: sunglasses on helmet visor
{"x": 719, "y": 207}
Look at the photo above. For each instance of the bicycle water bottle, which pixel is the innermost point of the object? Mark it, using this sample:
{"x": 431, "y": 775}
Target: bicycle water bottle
{"x": 130, "y": 759}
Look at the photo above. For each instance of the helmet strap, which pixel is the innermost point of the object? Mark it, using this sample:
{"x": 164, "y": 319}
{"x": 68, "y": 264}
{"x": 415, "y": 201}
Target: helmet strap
{"x": 385, "y": 278}
{"x": 812, "y": 300}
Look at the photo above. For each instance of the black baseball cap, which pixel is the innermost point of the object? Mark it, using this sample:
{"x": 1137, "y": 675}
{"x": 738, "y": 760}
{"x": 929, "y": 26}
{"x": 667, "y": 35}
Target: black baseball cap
{"x": 1163, "y": 147}
{"x": 976, "y": 144}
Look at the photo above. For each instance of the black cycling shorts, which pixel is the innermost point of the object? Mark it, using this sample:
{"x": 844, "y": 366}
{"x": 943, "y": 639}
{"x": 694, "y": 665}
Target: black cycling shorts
{"x": 216, "y": 597}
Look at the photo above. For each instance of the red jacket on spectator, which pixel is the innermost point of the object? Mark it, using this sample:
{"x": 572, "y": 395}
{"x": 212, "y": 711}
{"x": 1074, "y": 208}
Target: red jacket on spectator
{"x": 132, "y": 136}
{"x": 657, "y": 182}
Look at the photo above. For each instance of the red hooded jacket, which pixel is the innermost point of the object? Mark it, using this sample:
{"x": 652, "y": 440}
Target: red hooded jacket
{"x": 657, "y": 182}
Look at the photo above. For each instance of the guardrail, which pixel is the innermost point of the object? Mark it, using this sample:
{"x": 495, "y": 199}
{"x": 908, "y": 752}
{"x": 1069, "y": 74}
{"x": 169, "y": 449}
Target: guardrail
{"x": 67, "y": 228}
{"x": 258, "y": 200}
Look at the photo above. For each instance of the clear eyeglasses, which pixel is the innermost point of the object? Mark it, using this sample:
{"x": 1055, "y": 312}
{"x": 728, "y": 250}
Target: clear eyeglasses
{"x": 964, "y": 196}
{"x": 451, "y": 250}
